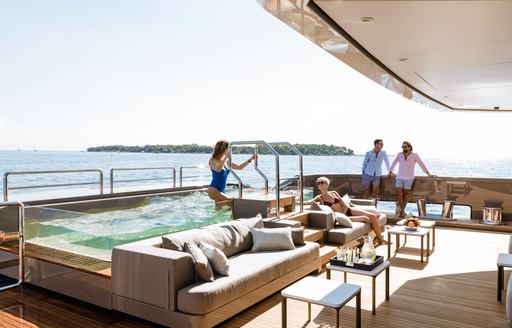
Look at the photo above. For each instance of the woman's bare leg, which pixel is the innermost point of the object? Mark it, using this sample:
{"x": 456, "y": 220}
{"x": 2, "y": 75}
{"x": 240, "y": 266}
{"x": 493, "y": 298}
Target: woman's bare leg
{"x": 372, "y": 218}
{"x": 220, "y": 198}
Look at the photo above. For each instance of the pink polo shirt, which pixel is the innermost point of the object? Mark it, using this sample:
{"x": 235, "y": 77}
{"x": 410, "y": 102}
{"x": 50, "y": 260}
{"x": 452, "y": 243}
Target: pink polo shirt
{"x": 406, "y": 166}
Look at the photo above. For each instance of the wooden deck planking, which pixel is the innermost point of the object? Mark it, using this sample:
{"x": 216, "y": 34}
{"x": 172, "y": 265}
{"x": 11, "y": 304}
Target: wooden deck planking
{"x": 456, "y": 288}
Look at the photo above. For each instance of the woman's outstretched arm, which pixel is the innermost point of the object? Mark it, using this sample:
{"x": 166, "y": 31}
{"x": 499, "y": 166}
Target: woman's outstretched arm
{"x": 244, "y": 164}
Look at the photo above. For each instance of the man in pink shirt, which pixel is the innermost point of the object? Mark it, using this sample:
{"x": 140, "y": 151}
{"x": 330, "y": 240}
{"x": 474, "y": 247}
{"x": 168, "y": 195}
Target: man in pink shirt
{"x": 406, "y": 160}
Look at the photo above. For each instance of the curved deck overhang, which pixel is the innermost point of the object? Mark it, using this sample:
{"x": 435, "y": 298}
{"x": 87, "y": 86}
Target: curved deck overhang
{"x": 454, "y": 55}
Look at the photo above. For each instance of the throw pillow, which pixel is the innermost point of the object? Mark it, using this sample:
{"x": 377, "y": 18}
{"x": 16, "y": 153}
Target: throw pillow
{"x": 343, "y": 220}
{"x": 202, "y": 267}
{"x": 272, "y": 239}
{"x": 298, "y": 236}
{"x": 345, "y": 200}
{"x": 256, "y": 222}
{"x": 216, "y": 257}
{"x": 317, "y": 207}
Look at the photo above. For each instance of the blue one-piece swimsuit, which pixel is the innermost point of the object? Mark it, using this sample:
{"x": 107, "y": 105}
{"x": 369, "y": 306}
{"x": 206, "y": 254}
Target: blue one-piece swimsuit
{"x": 220, "y": 179}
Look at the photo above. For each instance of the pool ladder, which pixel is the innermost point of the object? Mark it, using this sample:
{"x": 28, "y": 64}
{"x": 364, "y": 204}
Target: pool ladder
{"x": 273, "y": 151}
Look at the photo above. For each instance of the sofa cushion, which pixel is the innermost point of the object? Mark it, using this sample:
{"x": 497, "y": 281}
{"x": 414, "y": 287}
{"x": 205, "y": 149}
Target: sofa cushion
{"x": 255, "y": 222}
{"x": 202, "y": 268}
{"x": 248, "y": 271}
{"x": 298, "y": 236}
{"x": 216, "y": 257}
{"x": 342, "y": 235}
{"x": 272, "y": 239}
{"x": 231, "y": 237}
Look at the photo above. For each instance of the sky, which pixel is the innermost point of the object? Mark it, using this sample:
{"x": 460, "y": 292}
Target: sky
{"x": 75, "y": 74}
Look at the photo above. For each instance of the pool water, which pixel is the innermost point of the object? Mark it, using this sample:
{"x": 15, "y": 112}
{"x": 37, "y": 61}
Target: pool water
{"x": 95, "y": 234}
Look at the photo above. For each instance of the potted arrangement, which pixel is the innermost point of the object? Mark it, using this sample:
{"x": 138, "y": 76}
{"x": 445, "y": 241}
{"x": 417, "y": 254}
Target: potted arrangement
{"x": 412, "y": 224}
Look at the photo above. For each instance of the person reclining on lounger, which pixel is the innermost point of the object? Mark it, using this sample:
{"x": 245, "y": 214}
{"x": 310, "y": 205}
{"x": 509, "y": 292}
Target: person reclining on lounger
{"x": 335, "y": 201}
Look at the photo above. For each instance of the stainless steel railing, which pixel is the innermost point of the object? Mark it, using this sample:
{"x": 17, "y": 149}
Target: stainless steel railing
{"x": 265, "y": 179}
{"x": 172, "y": 168}
{"x": 276, "y": 155}
{"x": 193, "y": 176}
{"x": 8, "y": 174}
{"x": 21, "y": 240}
{"x": 301, "y": 169}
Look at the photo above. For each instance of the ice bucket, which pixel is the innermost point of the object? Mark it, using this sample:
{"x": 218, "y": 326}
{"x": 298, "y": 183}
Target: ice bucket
{"x": 491, "y": 215}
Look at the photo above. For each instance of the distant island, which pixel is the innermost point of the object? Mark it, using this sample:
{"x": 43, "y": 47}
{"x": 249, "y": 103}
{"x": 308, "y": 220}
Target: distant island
{"x": 305, "y": 149}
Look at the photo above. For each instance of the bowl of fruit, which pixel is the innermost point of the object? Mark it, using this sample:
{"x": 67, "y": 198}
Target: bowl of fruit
{"x": 412, "y": 224}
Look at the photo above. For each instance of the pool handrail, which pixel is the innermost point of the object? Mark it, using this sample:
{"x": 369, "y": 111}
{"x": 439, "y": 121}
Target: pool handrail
{"x": 256, "y": 168}
{"x": 21, "y": 241}
{"x": 7, "y": 174}
{"x": 240, "y": 184}
{"x": 301, "y": 169}
{"x": 112, "y": 170}
{"x": 200, "y": 166}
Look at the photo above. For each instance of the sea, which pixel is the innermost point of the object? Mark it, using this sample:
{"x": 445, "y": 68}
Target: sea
{"x": 37, "y": 186}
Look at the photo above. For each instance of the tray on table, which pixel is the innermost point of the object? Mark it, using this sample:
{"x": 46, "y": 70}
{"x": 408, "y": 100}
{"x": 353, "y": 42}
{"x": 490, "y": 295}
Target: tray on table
{"x": 360, "y": 266}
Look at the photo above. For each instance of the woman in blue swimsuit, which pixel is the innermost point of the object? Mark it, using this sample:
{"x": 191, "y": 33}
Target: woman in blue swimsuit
{"x": 220, "y": 171}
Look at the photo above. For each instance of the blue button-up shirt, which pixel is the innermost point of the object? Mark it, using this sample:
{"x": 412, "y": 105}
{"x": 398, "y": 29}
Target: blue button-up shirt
{"x": 372, "y": 164}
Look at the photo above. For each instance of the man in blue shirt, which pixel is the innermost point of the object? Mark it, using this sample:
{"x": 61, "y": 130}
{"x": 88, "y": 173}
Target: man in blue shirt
{"x": 372, "y": 168}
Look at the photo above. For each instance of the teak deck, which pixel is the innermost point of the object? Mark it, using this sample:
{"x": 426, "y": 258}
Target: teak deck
{"x": 455, "y": 288}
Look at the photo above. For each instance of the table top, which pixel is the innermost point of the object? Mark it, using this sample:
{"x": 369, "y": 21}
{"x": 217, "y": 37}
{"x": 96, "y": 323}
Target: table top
{"x": 373, "y": 273}
{"x": 400, "y": 230}
{"x": 321, "y": 291}
{"x": 505, "y": 260}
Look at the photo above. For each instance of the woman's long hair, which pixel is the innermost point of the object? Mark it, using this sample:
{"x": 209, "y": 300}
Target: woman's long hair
{"x": 220, "y": 147}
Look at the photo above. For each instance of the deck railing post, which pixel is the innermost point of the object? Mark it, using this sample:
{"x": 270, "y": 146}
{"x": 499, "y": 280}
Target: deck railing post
{"x": 6, "y": 196}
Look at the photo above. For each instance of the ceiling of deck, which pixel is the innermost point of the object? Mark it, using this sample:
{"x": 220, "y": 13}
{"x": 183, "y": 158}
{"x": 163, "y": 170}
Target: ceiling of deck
{"x": 457, "y": 52}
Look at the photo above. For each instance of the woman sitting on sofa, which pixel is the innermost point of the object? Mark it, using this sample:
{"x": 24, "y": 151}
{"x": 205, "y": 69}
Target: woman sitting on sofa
{"x": 341, "y": 205}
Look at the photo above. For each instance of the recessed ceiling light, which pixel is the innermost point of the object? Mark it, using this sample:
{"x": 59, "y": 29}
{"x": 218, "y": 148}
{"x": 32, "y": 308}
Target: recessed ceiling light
{"x": 366, "y": 19}
{"x": 403, "y": 59}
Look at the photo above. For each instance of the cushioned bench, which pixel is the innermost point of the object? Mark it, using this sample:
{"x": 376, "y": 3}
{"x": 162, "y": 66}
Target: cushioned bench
{"x": 158, "y": 285}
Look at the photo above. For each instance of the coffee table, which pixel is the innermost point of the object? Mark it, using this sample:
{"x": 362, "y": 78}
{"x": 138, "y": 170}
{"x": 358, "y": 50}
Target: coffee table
{"x": 323, "y": 292}
{"x": 400, "y": 230}
{"x": 429, "y": 224}
{"x": 384, "y": 266}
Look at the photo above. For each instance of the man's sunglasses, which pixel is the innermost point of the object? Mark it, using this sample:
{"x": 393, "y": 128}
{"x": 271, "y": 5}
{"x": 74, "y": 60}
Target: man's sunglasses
{"x": 320, "y": 182}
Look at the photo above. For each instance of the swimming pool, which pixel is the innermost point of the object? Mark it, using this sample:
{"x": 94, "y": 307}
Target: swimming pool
{"x": 96, "y": 231}
{"x": 94, "y": 228}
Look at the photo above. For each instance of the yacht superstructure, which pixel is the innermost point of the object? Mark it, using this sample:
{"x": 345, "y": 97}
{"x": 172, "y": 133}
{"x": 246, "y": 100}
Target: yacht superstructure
{"x": 444, "y": 54}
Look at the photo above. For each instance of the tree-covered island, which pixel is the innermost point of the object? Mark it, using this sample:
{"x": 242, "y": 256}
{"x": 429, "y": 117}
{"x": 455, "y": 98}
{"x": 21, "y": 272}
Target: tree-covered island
{"x": 305, "y": 149}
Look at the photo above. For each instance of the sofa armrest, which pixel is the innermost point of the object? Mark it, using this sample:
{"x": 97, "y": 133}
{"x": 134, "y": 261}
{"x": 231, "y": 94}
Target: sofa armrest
{"x": 320, "y": 220}
{"x": 365, "y": 202}
{"x": 149, "y": 274}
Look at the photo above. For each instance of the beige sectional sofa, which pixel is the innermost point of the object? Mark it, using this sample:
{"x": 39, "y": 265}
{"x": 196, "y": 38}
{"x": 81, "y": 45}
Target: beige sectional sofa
{"x": 158, "y": 284}
{"x": 333, "y": 232}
